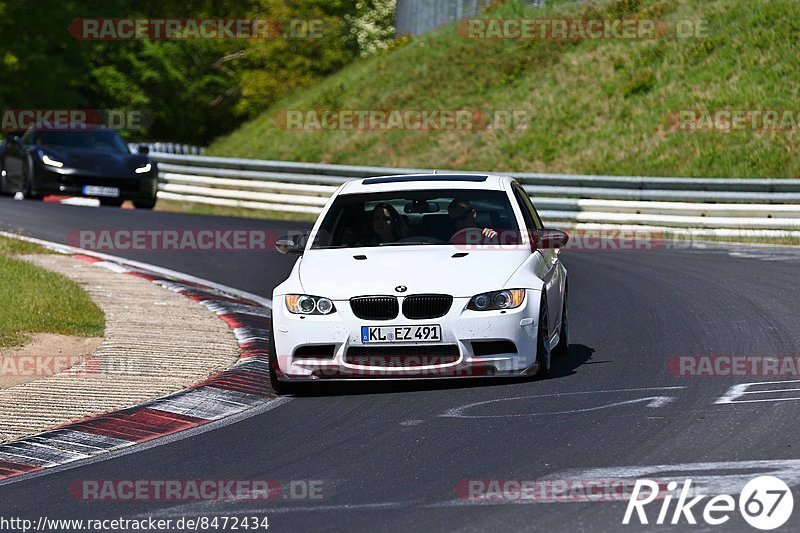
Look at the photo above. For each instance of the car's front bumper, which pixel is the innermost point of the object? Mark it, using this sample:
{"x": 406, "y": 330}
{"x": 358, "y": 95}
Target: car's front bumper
{"x": 70, "y": 182}
{"x": 474, "y": 344}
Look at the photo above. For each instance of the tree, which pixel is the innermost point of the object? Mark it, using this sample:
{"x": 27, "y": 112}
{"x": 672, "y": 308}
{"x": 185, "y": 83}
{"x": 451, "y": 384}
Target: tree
{"x": 194, "y": 90}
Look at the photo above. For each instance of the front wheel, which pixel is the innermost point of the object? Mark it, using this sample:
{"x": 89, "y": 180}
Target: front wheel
{"x": 144, "y": 204}
{"x": 543, "y": 344}
{"x": 563, "y": 334}
{"x": 28, "y": 189}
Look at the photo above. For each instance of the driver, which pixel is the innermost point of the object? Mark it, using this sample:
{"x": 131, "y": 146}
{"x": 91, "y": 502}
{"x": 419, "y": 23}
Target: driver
{"x": 387, "y": 225}
{"x": 464, "y": 216}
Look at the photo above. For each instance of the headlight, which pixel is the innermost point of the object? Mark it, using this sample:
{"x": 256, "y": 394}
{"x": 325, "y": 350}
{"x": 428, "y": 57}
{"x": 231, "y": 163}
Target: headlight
{"x": 145, "y": 169}
{"x": 49, "y": 161}
{"x": 493, "y": 301}
{"x": 303, "y": 304}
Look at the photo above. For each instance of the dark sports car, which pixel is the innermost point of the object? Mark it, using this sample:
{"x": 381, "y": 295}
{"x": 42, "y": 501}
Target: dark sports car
{"x": 93, "y": 162}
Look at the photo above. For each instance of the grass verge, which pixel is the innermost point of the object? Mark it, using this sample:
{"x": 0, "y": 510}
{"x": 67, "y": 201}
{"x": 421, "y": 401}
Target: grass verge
{"x": 225, "y": 211}
{"x": 16, "y": 246}
{"x": 35, "y": 300}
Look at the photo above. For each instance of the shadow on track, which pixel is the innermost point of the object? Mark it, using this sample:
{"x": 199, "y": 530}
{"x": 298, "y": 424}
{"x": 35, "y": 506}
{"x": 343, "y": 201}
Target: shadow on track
{"x": 565, "y": 365}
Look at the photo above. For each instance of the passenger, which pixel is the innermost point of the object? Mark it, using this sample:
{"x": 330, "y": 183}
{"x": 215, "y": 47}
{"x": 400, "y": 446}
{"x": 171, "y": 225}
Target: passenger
{"x": 464, "y": 216}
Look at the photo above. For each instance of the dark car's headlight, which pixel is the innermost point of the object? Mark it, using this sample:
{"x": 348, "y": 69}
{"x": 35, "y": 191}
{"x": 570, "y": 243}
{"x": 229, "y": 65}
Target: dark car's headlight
{"x": 497, "y": 300}
{"x": 144, "y": 169}
{"x": 303, "y": 304}
{"x": 49, "y": 160}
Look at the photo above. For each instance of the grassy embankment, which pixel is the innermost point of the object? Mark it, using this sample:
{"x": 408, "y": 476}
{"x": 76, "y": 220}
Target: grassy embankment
{"x": 595, "y": 106}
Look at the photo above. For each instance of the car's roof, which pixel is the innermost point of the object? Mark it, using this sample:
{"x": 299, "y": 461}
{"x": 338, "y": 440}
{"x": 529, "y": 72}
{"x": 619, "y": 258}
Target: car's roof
{"x": 69, "y": 127}
{"x": 405, "y": 182}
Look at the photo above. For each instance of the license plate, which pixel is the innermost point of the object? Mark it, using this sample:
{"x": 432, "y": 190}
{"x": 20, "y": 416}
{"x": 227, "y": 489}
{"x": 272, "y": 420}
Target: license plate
{"x": 94, "y": 190}
{"x": 429, "y": 333}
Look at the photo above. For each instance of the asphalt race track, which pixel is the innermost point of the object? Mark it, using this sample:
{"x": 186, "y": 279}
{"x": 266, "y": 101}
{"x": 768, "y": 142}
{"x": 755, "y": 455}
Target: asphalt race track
{"x": 390, "y": 456}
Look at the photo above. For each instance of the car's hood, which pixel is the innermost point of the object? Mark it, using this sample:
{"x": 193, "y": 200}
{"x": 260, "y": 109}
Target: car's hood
{"x": 338, "y": 275}
{"x": 98, "y": 161}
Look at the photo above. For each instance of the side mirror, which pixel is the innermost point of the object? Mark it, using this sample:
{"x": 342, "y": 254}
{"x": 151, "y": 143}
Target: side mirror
{"x": 143, "y": 149}
{"x": 290, "y": 245}
{"x": 549, "y": 239}
{"x": 14, "y": 139}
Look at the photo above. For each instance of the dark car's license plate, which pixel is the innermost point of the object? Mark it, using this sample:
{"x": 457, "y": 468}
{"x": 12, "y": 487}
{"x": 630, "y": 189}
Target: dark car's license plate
{"x": 94, "y": 190}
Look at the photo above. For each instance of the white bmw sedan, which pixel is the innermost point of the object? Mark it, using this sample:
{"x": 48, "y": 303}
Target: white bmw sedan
{"x": 421, "y": 276}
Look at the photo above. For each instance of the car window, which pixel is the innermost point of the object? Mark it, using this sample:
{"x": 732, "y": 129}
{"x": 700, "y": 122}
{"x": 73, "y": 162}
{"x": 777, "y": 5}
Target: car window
{"x": 412, "y": 217}
{"x": 529, "y": 213}
{"x": 93, "y": 139}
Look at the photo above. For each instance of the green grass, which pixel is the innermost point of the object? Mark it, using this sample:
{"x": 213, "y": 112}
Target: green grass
{"x": 595, "y": 106}
{"x": 16, "y": 246}
{"x": 35, "y": 300}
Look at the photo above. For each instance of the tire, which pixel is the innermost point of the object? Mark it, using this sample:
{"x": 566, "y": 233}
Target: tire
{"x": 144, "y": 204}
{"x": 27, "y": 186}
{"x": 111, "y": 202}
{"x": 280, "y": 387}
{"x": 543, "y": 369}
{"x": 562, "y": 348}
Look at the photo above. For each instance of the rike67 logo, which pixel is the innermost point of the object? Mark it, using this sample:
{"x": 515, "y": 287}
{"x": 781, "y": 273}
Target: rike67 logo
{"x": 765, "y": 503}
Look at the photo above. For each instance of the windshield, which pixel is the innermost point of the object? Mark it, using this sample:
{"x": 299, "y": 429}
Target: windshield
{"x": 405, "y": 218}
{"x": 95, "y": 139}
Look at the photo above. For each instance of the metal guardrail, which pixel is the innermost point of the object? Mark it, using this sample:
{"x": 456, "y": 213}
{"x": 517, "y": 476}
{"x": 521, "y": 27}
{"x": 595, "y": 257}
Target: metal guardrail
{"x": 169, "y": 148}
{"x": 702, "y": 206}
{"x": 417, "y": 17}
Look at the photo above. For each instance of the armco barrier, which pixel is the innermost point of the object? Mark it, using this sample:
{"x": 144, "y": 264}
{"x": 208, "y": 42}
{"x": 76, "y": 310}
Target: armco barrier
{"x": 765, "y": 208}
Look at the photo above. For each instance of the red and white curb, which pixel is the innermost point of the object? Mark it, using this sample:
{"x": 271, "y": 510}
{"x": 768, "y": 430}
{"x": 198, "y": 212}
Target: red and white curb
{"x": 72, "y": 200}
{"x": 242, "y": 386}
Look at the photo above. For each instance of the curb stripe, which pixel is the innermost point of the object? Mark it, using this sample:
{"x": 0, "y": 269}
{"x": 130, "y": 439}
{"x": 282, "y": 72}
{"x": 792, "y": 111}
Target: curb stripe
{"x": 46, "y": 451}
{"x": 87, "y": 258}
{"x": 24, "y": 459}
{"x": 224, "y": 308}
{"x": 210, "y": 403}
{"x": 66, "y": 445}
{"x": 81, "y": 439}
{"x": 8, "y": 468}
